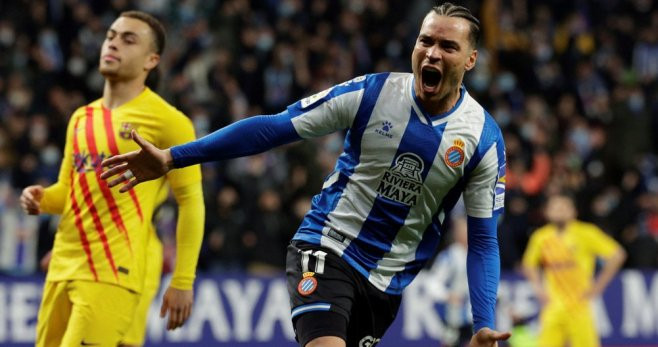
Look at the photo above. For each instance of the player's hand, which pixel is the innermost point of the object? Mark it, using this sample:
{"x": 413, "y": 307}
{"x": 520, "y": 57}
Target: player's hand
{"x": 592, "y": 293}
{"x": 179, "y": 305}
{"x": 486, "y": 337}
{"x": 138, "y": 166}
{"x": 31, "y": 199}
{"x": 45, "y": 261}
{"x": 543, "y": 298}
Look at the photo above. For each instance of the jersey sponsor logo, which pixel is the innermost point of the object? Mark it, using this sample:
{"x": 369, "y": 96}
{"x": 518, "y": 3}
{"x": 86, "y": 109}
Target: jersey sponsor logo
{"x": 385, "y": 129}
{"x": 402, "y": 182}
{"x": 124, "y": 130}
{"x": 87, "y": 162}
{"x": 308, "y": 284}
{"x": 369, "y": 341}
{"x": 455, "y": 154}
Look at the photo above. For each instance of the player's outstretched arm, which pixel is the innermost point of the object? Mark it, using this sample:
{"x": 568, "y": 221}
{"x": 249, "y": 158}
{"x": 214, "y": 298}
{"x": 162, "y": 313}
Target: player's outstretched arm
{"x": 486, "y": 337}
{"x": 145, "y": 164}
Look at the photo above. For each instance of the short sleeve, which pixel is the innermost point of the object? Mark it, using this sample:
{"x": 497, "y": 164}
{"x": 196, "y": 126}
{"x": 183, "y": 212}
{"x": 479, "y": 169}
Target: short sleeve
{"x": 532, "y": 254}
{"x": 484, "y": 194}
{"x": 330, "y": 110}
{"x": 599, "y": 243}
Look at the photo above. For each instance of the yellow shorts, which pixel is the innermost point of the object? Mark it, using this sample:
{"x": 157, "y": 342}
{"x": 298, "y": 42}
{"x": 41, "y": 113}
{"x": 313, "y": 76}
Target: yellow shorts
{"x": 137, "y": 332}
{"x": 78, "y": 313}
{"x": 574, "y": 325}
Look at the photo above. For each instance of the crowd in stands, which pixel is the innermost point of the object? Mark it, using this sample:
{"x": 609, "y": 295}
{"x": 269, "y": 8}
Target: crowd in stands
{"x": 572, "y": 84}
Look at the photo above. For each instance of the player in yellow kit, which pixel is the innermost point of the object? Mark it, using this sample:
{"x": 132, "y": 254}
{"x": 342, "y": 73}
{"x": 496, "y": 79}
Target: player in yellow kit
{"x": 96, "y": 276}
{"x": 566, "y": 250}
{"x": 137, "y": 331}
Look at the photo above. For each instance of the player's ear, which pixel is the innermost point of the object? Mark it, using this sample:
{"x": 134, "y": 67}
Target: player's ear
{"x": 471, "y": 60}
{"x": 152, "y": 61}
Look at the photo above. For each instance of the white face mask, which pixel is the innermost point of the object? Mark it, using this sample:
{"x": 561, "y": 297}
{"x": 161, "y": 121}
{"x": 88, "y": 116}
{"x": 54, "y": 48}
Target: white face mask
{"x": 50, "y": 155}
{"x": 636, "y": 101}
{"x": 7, "y": 36}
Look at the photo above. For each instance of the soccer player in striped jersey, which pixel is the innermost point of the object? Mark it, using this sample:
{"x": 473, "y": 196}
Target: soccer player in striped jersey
{"x": 566, "y": 251}
{"x": 106, "y": 259}
{"x": 415, "y": 142}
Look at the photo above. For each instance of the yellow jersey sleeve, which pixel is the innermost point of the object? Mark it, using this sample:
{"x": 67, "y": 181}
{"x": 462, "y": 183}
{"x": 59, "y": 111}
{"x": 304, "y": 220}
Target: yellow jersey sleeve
{"x": 189, "y": 234}
{"x": 186, "y": 186}
{"x": 532, "y": 254}
{"x": 177, "y": 132}
{"x": 55, "y": 196}
{"x": 598, "y": 242}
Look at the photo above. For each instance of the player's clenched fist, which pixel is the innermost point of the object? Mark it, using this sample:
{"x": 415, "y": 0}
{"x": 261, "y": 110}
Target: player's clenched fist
{"x": 31, "y": 199}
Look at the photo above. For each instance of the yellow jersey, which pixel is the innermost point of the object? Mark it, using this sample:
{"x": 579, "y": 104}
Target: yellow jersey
{"x": 102, "y": 235}
{"x": 568, "y": 258}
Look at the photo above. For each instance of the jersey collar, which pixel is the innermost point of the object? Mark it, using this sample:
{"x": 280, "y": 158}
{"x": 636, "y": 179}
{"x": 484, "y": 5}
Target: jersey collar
{"x": 436, "y": 119}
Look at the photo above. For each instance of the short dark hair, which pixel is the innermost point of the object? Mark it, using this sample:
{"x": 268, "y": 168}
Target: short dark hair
{"x": 159, "y": 36}
{"x": 159, "y": 39}
{"x": 451, "y": 10}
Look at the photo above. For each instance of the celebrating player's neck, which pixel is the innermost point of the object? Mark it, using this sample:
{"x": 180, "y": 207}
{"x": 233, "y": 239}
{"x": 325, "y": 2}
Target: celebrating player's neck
{"x": 118, "y": 92}
{"x": 440, "y": 104}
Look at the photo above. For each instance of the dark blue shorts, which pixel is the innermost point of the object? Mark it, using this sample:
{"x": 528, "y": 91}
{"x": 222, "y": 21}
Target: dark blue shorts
{"x": 330, "y": 298}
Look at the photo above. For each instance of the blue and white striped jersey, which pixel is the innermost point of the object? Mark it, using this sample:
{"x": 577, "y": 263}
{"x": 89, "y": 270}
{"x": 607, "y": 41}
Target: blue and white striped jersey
{"x": 402, "y": 170}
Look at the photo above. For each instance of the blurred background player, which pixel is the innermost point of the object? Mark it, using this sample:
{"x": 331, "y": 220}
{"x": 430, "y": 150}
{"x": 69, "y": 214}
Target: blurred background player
{"x": 98, "y": 279}
{"x": 154, "y": 261}
{"x": 566, "y": 251}
{"x": 415, "y": 143}
{"x": 450, "y": 284}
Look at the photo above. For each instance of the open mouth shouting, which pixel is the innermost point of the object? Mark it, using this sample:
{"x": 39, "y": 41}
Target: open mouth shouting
{"x": 430, "y": 78}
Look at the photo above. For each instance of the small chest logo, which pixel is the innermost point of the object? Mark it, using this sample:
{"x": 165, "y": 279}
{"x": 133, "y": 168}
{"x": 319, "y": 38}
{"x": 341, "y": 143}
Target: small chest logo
{"x": 403, "y": 182}
{"x": 455, "y": 154}
{"x": 308, "y": 284}
{"x": 124, "y": 130}
{"x": 385, "y": 129}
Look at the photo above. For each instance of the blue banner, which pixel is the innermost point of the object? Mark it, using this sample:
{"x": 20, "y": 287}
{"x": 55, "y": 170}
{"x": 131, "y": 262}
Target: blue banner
{"x": 239, "y": 310}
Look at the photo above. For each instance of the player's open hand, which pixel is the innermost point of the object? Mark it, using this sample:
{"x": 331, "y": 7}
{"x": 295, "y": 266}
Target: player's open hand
{"x": 138, "y": 166}
{"x": 31, "y": 199}
{"x": 486, "y": 337}
{"x": 179, "y": 305}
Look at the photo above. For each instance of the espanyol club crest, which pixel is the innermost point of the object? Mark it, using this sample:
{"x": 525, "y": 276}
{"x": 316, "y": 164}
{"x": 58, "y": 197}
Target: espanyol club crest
{"x": 124, "y": 130}
{"x": 308, "y": 284}
{"x": 455, "y": 154}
